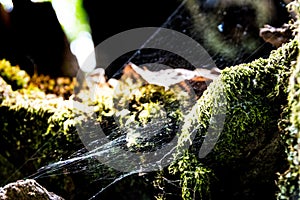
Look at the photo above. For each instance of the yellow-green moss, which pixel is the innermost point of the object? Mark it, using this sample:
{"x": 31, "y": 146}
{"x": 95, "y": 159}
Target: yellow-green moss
{"x": 255, "y": 96}
{"x": 13, "y": 75}
{"x": 195, "y": 179}
{"x": 289, "y": 181}
{"x": 32, "y": 129}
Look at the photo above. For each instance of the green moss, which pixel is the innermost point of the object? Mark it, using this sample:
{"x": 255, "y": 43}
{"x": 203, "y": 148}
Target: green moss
{"x": 289, "y": 181}
{"x": 255, "y": 95}
{"x": 251, "y": 96}
{"x": 33, "y": 130}
{"x": 8, "y": 170}
{"x": 195, "y": 179}
{"x": 37, "y": 128}
{"x": 13, "y": 75}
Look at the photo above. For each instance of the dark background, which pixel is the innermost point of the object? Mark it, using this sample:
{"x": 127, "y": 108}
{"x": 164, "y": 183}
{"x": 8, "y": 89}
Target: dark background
{"x": 31, "y": 36}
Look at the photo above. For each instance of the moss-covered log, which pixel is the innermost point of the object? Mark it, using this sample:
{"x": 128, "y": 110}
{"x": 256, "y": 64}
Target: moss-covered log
{"x": 250, "y": 149}
{"x": 289, "y": 181}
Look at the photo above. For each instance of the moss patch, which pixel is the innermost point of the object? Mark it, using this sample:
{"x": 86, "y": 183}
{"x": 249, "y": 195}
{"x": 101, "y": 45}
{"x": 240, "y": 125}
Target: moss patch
{"x": 249, "y": 151}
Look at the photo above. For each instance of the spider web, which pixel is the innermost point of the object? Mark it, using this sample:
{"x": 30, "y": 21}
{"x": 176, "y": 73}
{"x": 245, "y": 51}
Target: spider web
{"x": 195, "y": 19}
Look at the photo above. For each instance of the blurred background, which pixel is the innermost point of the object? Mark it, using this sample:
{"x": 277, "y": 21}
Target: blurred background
{"x": 32, "y": 37}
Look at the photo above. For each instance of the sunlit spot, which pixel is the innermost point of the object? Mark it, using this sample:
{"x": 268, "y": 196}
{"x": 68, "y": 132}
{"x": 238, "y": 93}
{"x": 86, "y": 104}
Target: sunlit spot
{"x": 83, "y": 48}
{"x": 221, "y": 27}
{"x": 66, "y": 18}
{"x": 7, "y": 5}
